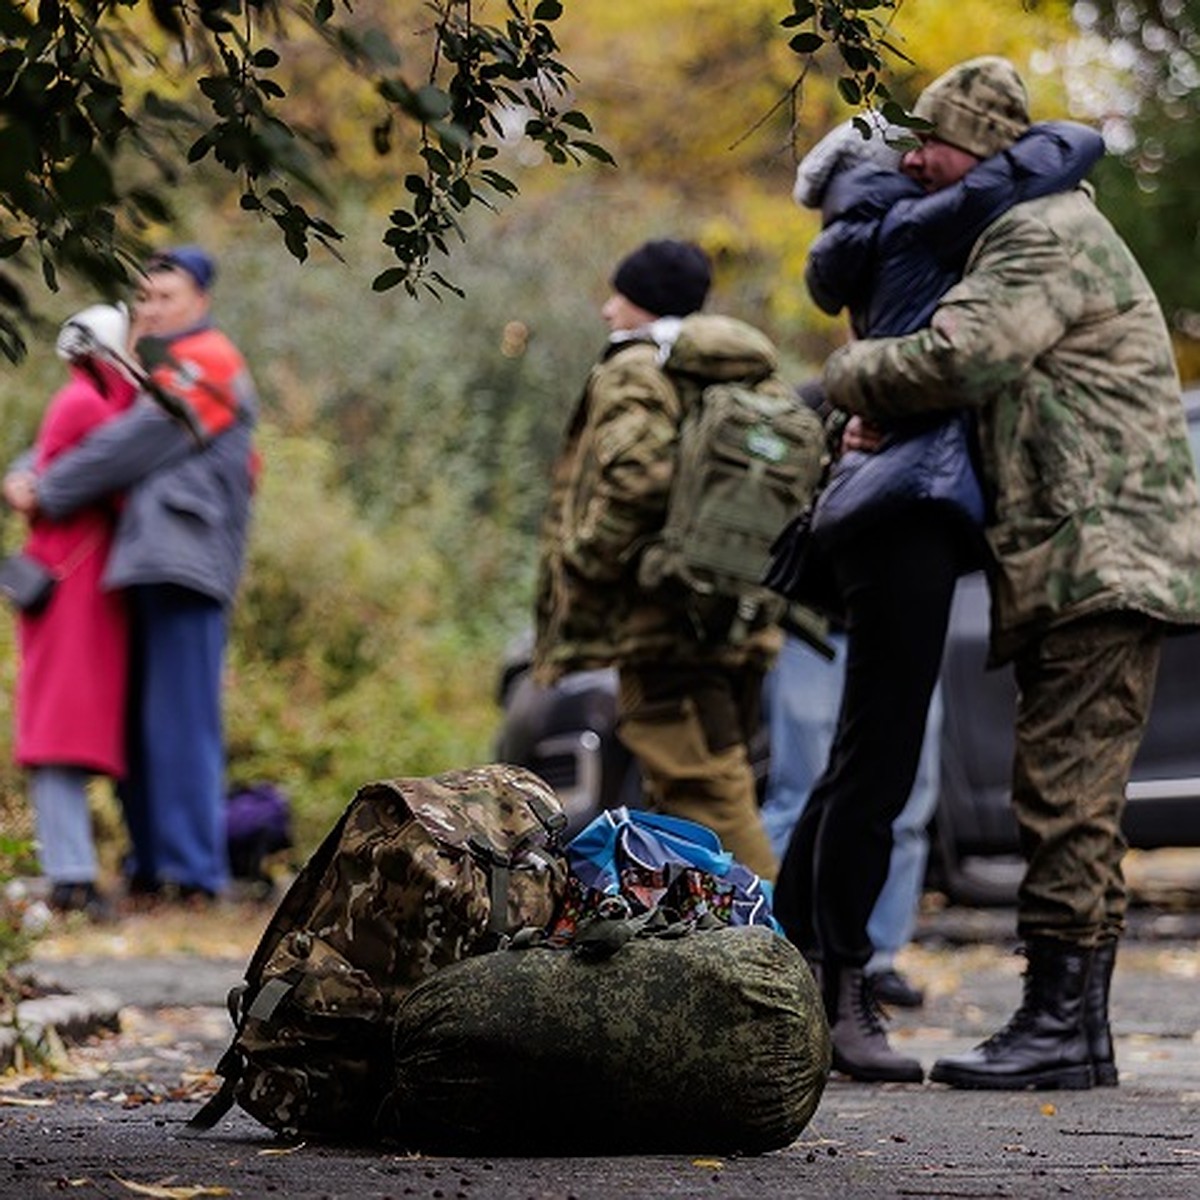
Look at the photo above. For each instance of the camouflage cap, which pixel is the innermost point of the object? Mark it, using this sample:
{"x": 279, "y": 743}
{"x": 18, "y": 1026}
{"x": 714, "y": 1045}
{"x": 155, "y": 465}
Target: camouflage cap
{"x": 979, "y": 106}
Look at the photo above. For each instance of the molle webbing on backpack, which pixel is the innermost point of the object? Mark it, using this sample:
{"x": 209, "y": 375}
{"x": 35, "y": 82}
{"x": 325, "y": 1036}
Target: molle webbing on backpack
{"x": 751, "y": 454}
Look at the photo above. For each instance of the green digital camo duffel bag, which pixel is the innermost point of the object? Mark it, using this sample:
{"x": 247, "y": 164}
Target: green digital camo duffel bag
{"x": 711, "y": 1042}
{"x": 415, "y": 875}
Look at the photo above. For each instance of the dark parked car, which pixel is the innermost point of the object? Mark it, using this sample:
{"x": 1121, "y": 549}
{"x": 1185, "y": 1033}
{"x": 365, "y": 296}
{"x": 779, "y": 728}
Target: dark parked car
{"x": 565, "y": 733}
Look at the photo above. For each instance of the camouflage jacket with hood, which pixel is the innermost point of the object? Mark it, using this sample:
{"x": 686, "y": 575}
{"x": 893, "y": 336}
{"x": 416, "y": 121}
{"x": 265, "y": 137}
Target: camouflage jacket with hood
{"x": 609, "y": 490}
{"x": 1056, "y": 339}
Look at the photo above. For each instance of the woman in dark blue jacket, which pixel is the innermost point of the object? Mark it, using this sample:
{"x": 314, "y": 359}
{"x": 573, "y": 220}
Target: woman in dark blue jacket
{"x": 887, "y": 253}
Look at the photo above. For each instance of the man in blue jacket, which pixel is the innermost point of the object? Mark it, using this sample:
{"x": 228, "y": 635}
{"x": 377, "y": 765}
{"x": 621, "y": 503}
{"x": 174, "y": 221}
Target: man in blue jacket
{"x": 179, "y": 550}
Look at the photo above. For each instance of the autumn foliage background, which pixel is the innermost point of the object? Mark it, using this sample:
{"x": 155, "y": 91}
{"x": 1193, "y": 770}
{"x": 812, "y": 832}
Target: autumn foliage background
{"x": 406, "y": 444}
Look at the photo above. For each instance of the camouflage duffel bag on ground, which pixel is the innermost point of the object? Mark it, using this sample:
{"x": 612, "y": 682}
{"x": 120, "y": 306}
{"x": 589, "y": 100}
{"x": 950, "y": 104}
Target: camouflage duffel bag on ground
{"x": 416, "y": 874}
{"x": 710, "y": 1042}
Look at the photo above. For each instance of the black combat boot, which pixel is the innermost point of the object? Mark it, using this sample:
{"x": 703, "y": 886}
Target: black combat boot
{"x": 1095, "y": 1014}
{"x": 1044, "y": 1044}
{"x": 860, "y": 1045}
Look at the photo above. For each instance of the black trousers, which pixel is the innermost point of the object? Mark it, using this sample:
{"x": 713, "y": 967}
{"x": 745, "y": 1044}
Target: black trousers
{"x": 897, "y": 583}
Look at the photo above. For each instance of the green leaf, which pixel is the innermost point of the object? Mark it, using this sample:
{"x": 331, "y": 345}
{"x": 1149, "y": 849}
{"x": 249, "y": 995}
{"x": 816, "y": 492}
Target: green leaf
{"x": 548, "y": 10}
{"x": 86, "y": 183}
{"x": 806, "y": 43}
{"x": 386, "y": 280}
{"x": 381, "y": 136}
{"x": 49, "y": 13}
{"x": 214, "y": 21}
{"x": 498, "y": 182}
{"x": 856, "y": 58}
{"x": 11, "y": 295}
{"x": 296, "y": 240}
{"x": 199, "y": 148}
{"x": 595, "y": 151}
{"x": 266, "y": 57}
{"x": 166, "y": 14}
{"x": 150, "y": 204}
{"x": 437, "y": 162}
{"x": 159, "y": 109}
{"x": 18, "y": 155}
{"x": 323, "y": 11}
{"x": 432, "y": 103}
{"x": 849, "y": 90}
{"x": 576, "y": 120}
{"x": 10, "y": 246}
{"x": 379, "y": 48}
{"x": 398, "y": 92}
{"x": 449, "y": 285}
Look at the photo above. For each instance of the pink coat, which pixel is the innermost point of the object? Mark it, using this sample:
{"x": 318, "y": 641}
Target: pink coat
{"x": 71, "y": 687}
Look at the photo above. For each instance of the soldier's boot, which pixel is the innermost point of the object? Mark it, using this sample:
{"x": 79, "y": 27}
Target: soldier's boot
{"x": 1044, "y": 1044}
{"x": 1095, "y": 1014}
{"x": 860, "y": 1045}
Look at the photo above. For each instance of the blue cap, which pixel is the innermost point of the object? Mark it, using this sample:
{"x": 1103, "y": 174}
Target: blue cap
{"x": 197, "y": 262}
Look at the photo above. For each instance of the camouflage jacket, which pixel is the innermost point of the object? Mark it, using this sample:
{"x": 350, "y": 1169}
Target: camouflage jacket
{"x": 1055, "y": 338}
{"x": 609, "y": 490}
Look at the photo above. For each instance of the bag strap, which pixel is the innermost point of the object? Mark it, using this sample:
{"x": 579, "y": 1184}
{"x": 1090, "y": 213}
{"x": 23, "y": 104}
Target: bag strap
{"x": 215, "y": 1107}
{"x": 552, "y": 820}
{"x": 602, "y": 936}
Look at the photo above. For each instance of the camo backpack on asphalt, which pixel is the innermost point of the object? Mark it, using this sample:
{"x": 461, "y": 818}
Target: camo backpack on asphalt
{"x": 751, "y": 455}
{"x": 416, "y": 874}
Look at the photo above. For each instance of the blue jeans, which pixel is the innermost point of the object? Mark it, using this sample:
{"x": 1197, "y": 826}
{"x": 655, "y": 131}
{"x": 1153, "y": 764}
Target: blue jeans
{"x": 174, "y": 796}
{"x": 802, "y": 694}
{"x": 64, "y": 823}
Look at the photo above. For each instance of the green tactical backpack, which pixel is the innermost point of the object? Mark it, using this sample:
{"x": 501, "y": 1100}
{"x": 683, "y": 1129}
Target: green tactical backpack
{"x": 751, "y": 455}
{"x": 416, "y": 874}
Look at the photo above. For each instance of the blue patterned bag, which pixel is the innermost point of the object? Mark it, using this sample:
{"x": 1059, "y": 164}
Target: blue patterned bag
{"x": 628, "y": 862}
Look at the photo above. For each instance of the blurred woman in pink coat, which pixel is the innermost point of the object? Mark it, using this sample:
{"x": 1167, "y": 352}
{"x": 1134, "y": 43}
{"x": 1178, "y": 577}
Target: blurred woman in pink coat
{"x": 71, "y": 686}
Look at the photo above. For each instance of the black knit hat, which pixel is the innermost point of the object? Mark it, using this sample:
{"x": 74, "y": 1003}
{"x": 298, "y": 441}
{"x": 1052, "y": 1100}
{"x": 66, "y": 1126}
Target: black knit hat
{"x": 666, "y": 278}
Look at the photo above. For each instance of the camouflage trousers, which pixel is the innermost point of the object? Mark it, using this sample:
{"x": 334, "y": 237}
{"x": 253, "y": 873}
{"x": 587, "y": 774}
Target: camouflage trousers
{"x": 1084, "y": 697}
{"x": 688, "y": 727}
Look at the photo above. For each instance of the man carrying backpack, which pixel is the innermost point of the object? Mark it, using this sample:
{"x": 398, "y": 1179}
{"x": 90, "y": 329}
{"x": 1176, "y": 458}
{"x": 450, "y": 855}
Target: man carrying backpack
{"x": 689, "y": 695}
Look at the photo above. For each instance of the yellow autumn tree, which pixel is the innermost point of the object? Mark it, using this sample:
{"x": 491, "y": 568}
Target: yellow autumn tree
{"x": 698, "y": 99}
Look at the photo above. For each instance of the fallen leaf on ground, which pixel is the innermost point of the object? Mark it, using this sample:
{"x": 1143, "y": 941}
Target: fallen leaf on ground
{"x": 271, "y": 1150}
{"x": 24, "y": 1102}
{"x": 708, "y": 1164}
{"x": 164, "y": 1192}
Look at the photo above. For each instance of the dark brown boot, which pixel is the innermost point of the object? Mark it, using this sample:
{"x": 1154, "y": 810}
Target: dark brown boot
{"x": 860, "y": 1045}
{"x": 1095, "y": 1014}
{"x": 1044, "y": 1044}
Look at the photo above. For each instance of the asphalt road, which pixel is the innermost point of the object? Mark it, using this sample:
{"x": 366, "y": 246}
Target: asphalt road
{"x": 114, "y": 1126}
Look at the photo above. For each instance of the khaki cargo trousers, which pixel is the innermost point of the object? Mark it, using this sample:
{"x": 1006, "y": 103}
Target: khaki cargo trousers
{"x": 688, "y": 727}
{"x": 1084, "y": 695}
